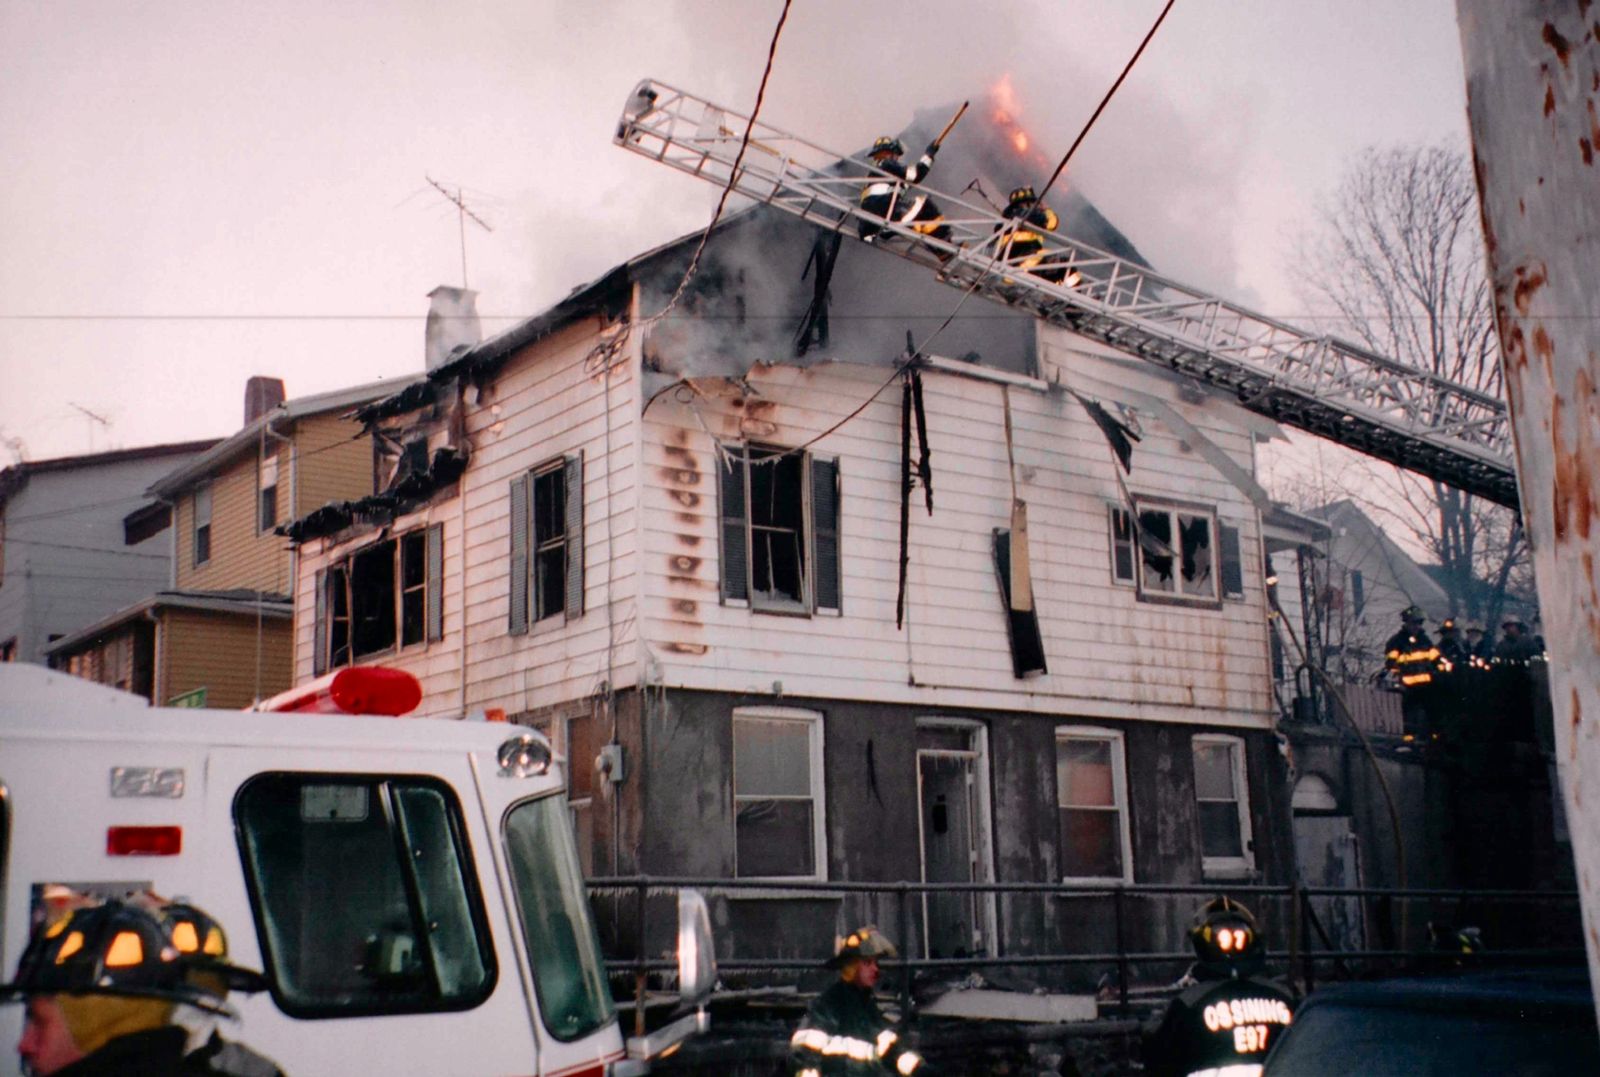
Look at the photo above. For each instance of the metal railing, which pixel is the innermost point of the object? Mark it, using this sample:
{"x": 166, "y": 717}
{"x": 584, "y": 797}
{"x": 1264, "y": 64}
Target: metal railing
{"x": 1293, "y": 929}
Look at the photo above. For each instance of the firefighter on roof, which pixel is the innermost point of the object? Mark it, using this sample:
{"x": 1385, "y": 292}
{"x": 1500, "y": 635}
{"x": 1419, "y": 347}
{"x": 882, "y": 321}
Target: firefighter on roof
{"x": 1225, "y": 1022}
{"x": 104, "y": 984}
{"x": 889, "y": 196}
{"x": 844, "y": 1032}
{"x": 1023, "y": 246}
{"x": 1412, "y": 663}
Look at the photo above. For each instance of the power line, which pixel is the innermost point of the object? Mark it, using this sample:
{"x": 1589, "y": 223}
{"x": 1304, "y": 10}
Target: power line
{"x": 89, "y": 549}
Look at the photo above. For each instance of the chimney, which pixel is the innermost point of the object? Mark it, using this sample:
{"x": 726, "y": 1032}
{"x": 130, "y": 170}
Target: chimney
{"x": 452, "y": 324}
{"x": 261, "y": 395}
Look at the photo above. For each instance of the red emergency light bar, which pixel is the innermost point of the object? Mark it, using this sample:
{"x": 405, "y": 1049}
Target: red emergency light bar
{"x": 356, "y": 690}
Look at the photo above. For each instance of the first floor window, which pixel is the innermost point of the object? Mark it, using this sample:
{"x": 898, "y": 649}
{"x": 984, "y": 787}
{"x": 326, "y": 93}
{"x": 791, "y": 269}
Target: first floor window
{"x": 384, "y": 596}
{"x": 777, "y": 793}
{"x": 1092, "y": 799}
{"x": 1222, "y": 791}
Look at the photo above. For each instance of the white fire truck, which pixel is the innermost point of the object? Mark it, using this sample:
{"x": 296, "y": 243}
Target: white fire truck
{"x": 409, "y": 886}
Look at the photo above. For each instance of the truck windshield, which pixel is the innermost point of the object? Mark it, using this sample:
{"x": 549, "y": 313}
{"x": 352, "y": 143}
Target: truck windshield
{"x": 568, "y": 972}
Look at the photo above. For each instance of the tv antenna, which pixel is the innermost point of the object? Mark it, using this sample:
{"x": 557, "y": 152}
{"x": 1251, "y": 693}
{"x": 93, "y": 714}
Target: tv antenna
{"x": 93, "y": 418}
{"x": 462, "y": 213}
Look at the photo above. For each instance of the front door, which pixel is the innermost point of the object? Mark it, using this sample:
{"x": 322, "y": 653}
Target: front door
{"x": 952, "y": 778}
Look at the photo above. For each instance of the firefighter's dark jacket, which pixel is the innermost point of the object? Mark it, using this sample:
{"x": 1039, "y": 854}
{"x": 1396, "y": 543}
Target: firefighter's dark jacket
{"x": 1216, "y": 1023}
{"x": 844, "y": 1033}
{"x": 1412, "y": 657}
{"x": 1026, "y": 239}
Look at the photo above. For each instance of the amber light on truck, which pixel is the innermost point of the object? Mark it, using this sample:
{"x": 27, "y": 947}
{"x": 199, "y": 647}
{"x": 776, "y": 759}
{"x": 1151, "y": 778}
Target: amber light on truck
{"x": 144, "y": 840}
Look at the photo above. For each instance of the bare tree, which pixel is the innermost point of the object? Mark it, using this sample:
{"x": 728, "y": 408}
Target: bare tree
{"x": 1398, "y": 252}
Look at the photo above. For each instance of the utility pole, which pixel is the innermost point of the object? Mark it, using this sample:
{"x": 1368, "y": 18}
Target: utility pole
{"x": 462, "y": 213}
{"x": 1533, "y": 86}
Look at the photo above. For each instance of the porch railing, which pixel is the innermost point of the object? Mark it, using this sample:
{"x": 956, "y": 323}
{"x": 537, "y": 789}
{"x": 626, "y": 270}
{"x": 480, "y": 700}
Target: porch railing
{"x": 1543, "y": 925}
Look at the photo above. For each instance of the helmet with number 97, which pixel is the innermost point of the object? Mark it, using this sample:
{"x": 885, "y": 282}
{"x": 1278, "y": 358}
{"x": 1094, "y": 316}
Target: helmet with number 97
{"x": 1225, "y": 933}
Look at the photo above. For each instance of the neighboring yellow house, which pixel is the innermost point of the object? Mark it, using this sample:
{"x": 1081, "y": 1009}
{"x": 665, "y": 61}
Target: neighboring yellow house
{"x": 221, "y": 634}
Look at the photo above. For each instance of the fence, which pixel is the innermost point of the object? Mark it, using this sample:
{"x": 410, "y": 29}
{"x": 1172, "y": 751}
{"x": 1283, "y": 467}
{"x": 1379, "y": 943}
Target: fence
{"x": 1521, "y": 926}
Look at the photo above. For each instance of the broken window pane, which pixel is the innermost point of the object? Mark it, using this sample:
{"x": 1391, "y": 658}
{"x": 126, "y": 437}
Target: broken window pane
{"x": 1156, "y": 548}
{"x": 1195, "y": 538}
{"x": 777, "y": 529}
{"x": 372, "y": 600}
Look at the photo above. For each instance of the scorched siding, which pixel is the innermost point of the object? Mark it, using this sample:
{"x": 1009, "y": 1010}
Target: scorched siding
{"x": 1109, "y": 654}
{"x": 544, "y": 404}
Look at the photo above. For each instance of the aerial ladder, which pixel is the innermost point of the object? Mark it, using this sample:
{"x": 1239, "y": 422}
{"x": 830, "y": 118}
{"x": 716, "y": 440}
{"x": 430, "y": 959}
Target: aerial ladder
{"x": 1336, "y": 390}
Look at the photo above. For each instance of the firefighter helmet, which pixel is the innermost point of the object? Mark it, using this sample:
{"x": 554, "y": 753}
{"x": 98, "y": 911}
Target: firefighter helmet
{"x": 1512, "y": 619}
{"x": 1412, "y": 613}
{"x": 863, "y": 942}
{"x": 1447, "y": 625}
{"x": 887, "y": 144}
{"x": 119, "y": 948}
{"x": 204, "y": 946}
{"x": 1224, "y": 931}
{"x": 1021, "y": 195}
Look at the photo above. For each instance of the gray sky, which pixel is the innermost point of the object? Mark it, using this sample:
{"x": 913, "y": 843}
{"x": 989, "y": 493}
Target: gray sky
{"x": 195, "y": 193}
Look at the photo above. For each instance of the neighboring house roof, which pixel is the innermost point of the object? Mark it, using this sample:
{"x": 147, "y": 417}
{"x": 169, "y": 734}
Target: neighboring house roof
{"x": 1281, "y": 527}
{"x": 239, "y": 600}
{"x": 1410, "y": 577}
{"x": 249, "y": 435}
{"x": 15, "y": 477}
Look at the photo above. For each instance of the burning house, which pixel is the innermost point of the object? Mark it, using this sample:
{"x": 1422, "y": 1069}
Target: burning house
{"x": 800, "y": 602}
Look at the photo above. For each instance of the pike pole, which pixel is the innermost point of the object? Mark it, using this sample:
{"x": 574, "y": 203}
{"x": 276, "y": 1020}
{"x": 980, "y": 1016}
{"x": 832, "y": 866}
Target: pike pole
{"x": 960, "y": 112}
{"x": 1533, "y": 87}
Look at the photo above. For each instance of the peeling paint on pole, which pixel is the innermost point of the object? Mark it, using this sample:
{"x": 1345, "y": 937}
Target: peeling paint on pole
{"x": 1533, "y": 92}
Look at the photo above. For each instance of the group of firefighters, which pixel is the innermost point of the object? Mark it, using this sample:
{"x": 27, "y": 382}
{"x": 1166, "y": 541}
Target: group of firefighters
{"x": 1019, "y": 243}
{"x": 1223, "y": 1021}
{"x": 1440, "y": 681}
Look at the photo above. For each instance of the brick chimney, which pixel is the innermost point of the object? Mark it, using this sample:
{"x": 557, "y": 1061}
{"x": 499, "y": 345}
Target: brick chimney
{"x": 261, "y": 395}
{"x": 452, "y": 324}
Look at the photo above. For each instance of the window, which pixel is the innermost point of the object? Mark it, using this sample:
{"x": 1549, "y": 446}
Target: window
{"x": 1092, "y": 798}
{"x": 547, "y": 544}
{"x": 1358, "y": 591}
{"x": 777, "y": 794}
{"x": 202, "y": 525}
{"x": 568, "y": 974}
{"x": 267, "y": 499}
{"x": 364, "y": 894}
{"x": 385, "y": 595}
{"x": 1221, "y": 788}
{"x": 780, "y": 529}
{"x": 1177, "y": 558}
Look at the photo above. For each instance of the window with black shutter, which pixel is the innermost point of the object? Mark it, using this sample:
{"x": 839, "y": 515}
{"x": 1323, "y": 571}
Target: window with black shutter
{"x": 780, "y": 521}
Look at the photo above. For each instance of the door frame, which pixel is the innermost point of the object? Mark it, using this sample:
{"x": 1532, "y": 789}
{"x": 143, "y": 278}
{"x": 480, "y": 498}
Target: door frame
{"x": 983, "y": 823}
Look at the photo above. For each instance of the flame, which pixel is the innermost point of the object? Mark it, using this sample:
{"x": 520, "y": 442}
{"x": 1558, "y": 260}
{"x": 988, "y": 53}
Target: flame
{"x": 1006, "y": 111}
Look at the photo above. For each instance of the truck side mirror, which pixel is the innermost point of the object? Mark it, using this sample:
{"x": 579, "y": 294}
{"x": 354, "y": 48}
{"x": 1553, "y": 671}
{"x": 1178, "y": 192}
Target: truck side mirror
{"x": 697, "y": 958}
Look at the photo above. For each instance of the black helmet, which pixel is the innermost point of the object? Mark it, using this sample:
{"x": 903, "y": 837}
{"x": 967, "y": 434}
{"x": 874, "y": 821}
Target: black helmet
{"x": 204, "y": 946}
{"x": 1225, "y": 932}
{"x": 886, "y": 144}
{"x": 1412, "y": 613}
{"x": 1023, "y": 194}
{"x": 1447, "y": 625}
{"x": 863, "y": 942}
{"x": 118, "y": 948}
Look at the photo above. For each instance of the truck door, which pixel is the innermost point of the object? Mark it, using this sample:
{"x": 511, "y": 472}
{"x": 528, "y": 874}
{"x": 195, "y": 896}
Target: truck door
{"x": 376, "y": 913}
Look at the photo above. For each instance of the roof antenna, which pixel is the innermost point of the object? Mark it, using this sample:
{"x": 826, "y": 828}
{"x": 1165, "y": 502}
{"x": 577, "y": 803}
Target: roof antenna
{"x": 93, "y": 418}
{"x": 461, "y": 216}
